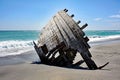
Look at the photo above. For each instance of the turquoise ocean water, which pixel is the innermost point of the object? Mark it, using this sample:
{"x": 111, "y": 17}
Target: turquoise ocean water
{"x": 16, "y": 42}
{"x": 18, "y": 35}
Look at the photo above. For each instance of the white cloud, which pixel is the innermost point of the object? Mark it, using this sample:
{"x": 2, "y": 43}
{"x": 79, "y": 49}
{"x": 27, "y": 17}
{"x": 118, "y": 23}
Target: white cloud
{"x": 98, "y": 19}
{"x": 115, "y": 16}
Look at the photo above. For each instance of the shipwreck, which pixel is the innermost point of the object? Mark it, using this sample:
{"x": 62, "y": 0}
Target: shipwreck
{"x": 61, "y": 39}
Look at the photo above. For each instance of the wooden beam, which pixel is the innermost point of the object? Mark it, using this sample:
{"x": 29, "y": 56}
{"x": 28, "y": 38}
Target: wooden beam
{"x": 84, "y": 26}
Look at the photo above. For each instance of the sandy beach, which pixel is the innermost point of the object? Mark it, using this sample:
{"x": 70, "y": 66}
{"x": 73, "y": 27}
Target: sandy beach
{"x": 102, "y": 53}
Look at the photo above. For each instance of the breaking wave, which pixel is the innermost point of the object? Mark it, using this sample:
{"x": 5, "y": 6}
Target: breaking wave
{"x": 15, "y": 47}
{"x": 96, "y": 38}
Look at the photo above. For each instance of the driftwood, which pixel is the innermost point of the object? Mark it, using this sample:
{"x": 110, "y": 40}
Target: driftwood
{"x": 61, "y": 39}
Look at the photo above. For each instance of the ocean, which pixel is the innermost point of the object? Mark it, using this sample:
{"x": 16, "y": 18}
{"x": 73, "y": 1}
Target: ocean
{"x": 16, "y": 46}
{"x": 15, "y": 42}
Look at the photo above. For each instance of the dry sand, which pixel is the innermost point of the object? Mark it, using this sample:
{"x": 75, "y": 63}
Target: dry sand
{"x": 102, "y": 53}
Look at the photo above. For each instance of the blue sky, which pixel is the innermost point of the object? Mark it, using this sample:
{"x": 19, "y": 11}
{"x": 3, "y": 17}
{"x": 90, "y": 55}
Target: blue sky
{"x": 34, "y": 14}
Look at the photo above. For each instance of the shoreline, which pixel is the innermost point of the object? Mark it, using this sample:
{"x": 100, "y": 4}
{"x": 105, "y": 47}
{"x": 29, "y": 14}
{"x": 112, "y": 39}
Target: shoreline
{"x": 104, "y": 42}
{"x": 25, "y": 57}
{"x": 31, "y": 55}
{"x": 101, "y": 53}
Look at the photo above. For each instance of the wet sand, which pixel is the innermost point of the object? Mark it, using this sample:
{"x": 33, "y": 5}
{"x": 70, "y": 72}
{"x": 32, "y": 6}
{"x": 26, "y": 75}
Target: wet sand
{"x": 102, "y": 53}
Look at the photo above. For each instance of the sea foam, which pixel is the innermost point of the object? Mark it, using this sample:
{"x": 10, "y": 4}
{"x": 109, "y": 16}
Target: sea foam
{"x": 14, "y": 47}
{"x": 103, "y": 38}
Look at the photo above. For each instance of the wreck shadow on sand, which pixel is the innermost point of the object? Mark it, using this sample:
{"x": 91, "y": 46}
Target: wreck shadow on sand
{"x": 74, "y": 67}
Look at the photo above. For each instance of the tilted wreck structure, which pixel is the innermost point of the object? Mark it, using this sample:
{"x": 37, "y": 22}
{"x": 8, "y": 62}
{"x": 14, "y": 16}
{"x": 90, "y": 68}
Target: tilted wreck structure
{"x": 61, "y": 39}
